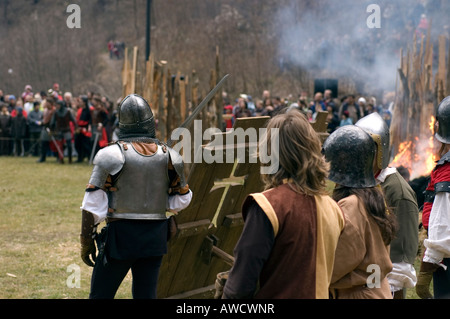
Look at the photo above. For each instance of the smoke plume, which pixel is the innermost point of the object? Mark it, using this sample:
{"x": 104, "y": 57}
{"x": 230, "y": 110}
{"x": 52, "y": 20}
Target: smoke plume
{"x": 332, "y": 38}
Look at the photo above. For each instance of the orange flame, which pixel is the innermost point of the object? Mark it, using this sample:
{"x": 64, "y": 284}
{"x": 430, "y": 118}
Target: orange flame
{"x": 417, "y": 156}
{"x": 431, "y": 156}
{"x": 403, "y": 157}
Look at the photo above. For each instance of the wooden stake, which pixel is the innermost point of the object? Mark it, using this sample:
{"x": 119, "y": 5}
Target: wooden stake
{"x": 162, "y": 122}
{"x": 133, "y": 70}
{"x": 218, "y": 97}
{"x": 441, "y": 73}
{"x": 125, "y": 68}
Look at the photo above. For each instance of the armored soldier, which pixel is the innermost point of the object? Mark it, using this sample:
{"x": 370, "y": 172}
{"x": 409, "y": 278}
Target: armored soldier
{"x": 133, "y": 183}
{"x": 436, "y": 216}
{"x": 369, "y": 229}
{"x": 402, "y": 201}
{"x": 60, "y": 125}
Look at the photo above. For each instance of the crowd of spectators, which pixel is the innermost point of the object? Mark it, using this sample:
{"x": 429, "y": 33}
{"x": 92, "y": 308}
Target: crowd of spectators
{"x": 56, "y": 124}
{"x": 344, "y": 110}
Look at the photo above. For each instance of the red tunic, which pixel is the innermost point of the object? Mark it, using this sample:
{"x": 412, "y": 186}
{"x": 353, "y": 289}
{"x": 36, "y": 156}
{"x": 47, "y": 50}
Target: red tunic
{"x": 440, "y": 174}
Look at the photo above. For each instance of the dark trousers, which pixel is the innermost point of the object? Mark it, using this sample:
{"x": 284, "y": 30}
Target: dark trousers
{"x": 83, "y": 146}
{"x": 19, "y": 149}
{"x": 5, "y": 145}
{"x": 35, "y": 142}
{"x": 106, "y": 279}
{"x": 45, "y": 148}
{"x": 441, "y": 281}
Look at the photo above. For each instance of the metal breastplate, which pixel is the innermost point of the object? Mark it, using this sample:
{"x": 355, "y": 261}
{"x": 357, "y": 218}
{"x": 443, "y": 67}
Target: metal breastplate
{"x": 62, "y": 122}
{"x": 142, "y": 186}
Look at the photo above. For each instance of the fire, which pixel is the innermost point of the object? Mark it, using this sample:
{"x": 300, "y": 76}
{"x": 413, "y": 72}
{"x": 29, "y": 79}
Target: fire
{"x": 403, "y": 157}
{"x": 431, "y": 124}
{"x": 418, "y": 156}
{"x": 431, "y": 157}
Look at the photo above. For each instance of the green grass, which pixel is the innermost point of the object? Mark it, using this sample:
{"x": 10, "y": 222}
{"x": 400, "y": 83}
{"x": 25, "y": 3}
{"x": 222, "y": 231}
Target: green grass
{"x": 40, "y": 224}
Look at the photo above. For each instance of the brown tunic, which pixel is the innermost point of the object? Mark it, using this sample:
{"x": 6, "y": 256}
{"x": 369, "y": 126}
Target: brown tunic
{"x": 306, "y": 230}
{"x": 359, "y": 253}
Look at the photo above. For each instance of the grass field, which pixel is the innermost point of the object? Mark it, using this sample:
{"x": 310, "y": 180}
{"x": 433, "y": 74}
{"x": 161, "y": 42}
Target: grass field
{"x": 39, "y": 231}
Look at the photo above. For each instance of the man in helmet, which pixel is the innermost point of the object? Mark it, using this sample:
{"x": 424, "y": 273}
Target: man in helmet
{"x": 369, "y": 228}
{"x": 60, "y": 125}
{"x": 436, "y": 215}
{"x": 133, "y": 183}
{"x": 402, "y": 201}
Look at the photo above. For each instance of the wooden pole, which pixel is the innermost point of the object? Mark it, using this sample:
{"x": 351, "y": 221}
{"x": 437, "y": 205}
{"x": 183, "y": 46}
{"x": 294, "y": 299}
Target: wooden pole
{"x": 176, "y": 104}
{"x": 147, "y": 89}
{"x": 133, "y": 70}
{"x": 218, "y": 97}
{"x": 183, "y": 104}
{"x": 125, "y": 68}
{"x": 162, "y": 122}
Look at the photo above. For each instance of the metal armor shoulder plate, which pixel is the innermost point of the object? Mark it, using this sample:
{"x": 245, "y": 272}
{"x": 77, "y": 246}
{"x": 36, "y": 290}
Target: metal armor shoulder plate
{"x": 107, "y": 161}
{"x": 444, "y": 159}
{"x": 110, "y": 158}
{"x": 178, "y": 164}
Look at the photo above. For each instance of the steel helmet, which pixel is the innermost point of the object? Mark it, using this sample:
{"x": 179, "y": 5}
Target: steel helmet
{"x": 379, "y": 131}
{"x": 443, "y": 121}
{"x": 351, "y": 152}
{"x": 135, "y": 118}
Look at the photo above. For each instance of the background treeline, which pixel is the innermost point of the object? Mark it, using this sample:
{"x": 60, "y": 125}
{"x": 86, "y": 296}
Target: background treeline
{"x": 258, "y": 44}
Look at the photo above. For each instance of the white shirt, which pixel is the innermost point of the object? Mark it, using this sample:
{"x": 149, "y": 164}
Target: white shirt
{"x": 403, "y": 275}
{"x": 438, "y": 242}
{"x": 385, "y": 173}
{"x": 96, "y": 203}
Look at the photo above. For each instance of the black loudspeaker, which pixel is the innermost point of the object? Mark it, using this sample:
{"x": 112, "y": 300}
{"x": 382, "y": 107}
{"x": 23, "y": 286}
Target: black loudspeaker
{"x": 320, "y": 85}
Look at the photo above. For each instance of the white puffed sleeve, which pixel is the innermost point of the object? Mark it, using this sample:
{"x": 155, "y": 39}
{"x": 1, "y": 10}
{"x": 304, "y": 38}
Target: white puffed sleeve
{"x": 176, "y": 203}
{"x": 96, "y": 203}
{"x": 403, "y": 275}
{"x": 438, "y": 242}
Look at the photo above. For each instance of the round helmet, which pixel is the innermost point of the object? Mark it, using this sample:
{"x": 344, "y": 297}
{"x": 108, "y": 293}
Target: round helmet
{"x": 379, "y": 131}
{"x": 350, "y": 151}
{"x": 135, "y": 118}
{"x": 443, "y": 121}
